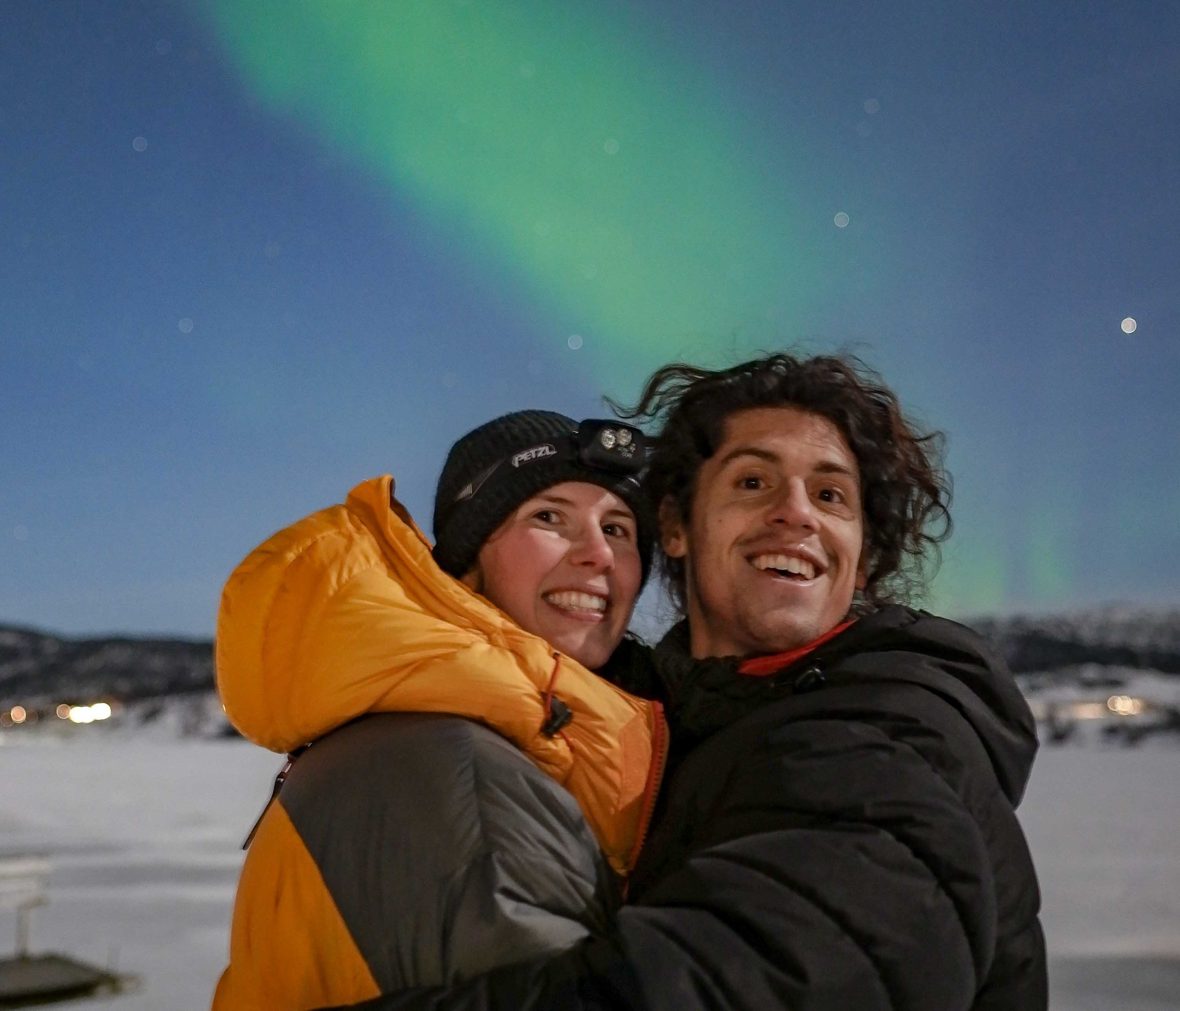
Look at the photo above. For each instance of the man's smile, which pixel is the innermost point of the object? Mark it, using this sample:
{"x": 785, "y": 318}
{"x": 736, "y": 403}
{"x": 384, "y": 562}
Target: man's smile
{"x": 789, "y": 566}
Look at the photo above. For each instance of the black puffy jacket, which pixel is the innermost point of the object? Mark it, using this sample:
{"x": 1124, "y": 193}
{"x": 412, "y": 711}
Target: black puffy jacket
{"x": 840, "y": 834}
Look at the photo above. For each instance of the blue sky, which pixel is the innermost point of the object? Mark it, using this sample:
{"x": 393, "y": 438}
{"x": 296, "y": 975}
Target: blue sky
{"x": 251, "y": 260}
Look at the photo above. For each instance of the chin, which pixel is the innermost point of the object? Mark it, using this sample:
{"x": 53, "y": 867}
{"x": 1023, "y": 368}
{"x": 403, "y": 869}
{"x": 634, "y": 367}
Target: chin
{"x": 591, "y": 656}
{"x": 790, "y": 635}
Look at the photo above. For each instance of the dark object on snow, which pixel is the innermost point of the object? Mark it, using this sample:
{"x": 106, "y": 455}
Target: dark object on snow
{"x": 28, "y": 980}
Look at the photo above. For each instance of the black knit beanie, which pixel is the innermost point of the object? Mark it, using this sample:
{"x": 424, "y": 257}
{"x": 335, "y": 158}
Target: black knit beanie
{"x": 496, "y": 467}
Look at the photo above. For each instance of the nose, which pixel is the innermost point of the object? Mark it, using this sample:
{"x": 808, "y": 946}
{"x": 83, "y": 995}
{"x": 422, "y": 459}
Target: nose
{"x": 793, "y": 507}
{"x": 593, "y": 549}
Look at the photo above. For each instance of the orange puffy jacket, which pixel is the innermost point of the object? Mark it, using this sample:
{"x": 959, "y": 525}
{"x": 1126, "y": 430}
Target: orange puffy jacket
{"x": 346, "y": 613}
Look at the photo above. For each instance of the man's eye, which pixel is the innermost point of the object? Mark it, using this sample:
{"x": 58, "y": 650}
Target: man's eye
{"x": 751, "y": 482}
{"x": 831, "y": 495}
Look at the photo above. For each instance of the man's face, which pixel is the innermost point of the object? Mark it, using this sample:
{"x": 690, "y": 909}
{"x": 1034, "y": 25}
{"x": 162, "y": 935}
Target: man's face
{"x": 565, "y": 566}
{"x": 773, "y": 551}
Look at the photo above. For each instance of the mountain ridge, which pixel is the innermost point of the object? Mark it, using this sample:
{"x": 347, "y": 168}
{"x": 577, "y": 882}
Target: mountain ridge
{"x": 40, "y": 667}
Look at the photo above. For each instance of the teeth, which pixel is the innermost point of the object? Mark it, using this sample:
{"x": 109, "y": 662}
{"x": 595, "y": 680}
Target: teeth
{"x": 573, "y": 600}
{"x": 785, "y": 563}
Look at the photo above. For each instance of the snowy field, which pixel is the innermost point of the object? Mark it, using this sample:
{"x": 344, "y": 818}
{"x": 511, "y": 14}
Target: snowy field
{"x": 144, "y": 835}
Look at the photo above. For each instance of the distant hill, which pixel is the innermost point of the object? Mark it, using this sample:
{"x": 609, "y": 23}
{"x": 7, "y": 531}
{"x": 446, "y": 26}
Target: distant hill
{"x": 1111, "y": 636}
{"x": 36, "y": 667}
{"x": 39, "y": 668}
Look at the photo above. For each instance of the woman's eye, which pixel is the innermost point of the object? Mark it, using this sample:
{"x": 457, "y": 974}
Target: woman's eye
{"x": 546, "y": 515}
{"x": 831, "y": 495}
{"x": 616, "y": 530}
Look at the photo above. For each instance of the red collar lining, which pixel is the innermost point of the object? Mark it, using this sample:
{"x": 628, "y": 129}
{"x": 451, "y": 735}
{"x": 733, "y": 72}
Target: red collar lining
{"x": 761, "y": 666}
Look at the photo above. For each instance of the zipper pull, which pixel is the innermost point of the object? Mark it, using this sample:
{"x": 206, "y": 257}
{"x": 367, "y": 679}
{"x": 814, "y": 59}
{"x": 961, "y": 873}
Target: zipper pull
{"x": 810, "y": 679}
{"x": 280, "y": 779}
{"x": 558, "y": 715}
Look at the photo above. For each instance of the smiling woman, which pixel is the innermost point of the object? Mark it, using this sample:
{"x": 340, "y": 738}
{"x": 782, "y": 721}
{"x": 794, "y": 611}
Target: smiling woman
{"x": 566, "y": 566}
{"x": 349, "y": 612}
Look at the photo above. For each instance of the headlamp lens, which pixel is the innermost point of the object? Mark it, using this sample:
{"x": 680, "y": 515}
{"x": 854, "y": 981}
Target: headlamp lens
{"x": 611, "y": 446}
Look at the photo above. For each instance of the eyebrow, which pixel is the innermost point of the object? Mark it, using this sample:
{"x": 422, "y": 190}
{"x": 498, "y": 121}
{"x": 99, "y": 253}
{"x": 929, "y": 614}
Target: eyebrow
{"x": 561, "y": 500}
{"x": 823, "y": 467}
{"x": 832, "y": 467}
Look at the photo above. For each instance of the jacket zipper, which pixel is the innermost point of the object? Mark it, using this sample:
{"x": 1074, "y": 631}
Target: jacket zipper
{"x": 651, "y": 790}
{"x": 280, "y": 779}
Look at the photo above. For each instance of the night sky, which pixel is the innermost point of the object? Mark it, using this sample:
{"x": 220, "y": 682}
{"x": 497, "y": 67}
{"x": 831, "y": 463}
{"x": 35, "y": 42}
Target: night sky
{"x": 255, "y": 252}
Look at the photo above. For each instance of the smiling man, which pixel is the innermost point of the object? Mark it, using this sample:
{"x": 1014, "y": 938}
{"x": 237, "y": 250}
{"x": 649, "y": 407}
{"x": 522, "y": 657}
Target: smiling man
{"x": 839, "y": 828}
{"x": 838, "y": 825}
{"x": 773, "y": 548}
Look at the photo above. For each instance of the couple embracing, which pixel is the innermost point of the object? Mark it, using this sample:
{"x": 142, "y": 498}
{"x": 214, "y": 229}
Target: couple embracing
{"x": 803, "y": 797}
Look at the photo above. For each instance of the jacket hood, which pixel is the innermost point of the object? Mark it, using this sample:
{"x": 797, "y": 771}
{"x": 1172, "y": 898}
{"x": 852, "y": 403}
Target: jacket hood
{"x": 894, "y": 644}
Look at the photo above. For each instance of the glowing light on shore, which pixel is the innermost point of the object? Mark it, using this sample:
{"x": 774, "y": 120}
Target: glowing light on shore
{"x": 18, "y": 714}
{"x": 88, "y": 714}
{"x": 1124, "y": 705}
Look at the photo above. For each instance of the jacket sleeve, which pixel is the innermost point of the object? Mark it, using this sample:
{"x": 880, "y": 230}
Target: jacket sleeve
{"x": 839, "y": 864}
{"x": 409, "y": 849}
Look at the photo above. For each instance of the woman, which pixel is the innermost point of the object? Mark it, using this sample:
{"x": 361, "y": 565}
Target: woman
{"x": 416, "y": 849}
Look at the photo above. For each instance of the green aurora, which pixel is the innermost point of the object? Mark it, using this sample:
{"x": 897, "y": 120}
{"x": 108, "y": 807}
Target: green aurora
{"x": 600, "y": 175}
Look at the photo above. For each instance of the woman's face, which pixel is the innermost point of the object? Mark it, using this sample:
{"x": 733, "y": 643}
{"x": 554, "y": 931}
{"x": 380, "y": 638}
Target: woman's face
{"x": 565, "y": 566}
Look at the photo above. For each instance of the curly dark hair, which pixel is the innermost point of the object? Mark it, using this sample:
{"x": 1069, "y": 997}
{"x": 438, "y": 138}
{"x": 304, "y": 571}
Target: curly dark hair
{"x": 905, "y": 490}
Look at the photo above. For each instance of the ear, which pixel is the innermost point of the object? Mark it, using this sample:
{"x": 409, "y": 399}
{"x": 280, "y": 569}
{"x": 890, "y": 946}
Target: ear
{"x": 673, "y": 535}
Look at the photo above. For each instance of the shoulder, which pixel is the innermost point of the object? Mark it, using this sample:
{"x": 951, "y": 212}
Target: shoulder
{"x": 896, "y": 627}
{"x": 905, "y": 677}
{"x": 955, "y": 663}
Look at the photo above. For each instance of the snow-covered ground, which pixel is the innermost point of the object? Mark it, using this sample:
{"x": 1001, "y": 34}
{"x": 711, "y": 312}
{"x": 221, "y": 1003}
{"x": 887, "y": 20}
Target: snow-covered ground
{"x": 144, "y": 835}
{"x": 1104, "y": 825}
{"x": 144, "y": 839}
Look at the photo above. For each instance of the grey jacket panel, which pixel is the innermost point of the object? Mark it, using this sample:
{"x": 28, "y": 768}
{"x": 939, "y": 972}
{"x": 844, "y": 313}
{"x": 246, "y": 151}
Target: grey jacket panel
{"x": 446, "y": 851}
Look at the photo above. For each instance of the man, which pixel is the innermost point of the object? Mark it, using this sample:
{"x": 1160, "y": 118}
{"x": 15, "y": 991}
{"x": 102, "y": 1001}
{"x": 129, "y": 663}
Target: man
{"x": 838, "y": 827}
